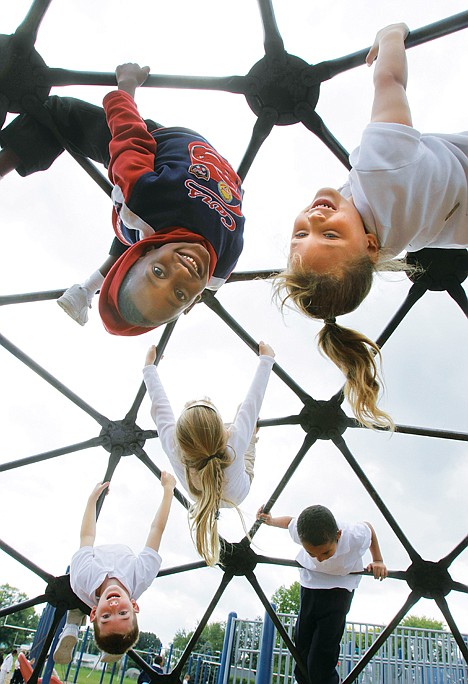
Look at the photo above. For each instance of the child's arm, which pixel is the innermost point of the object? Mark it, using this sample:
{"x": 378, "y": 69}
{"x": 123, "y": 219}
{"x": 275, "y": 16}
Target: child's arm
{"x": 246, "y": 419}
{"x": 267, "y": 519}
{"x": 132, "y": 148}
{"x": 390, "y": 76}
{"x": 160, "y": 519}
{"x": 377, "y": 566}
{"x": 88, "y": 524}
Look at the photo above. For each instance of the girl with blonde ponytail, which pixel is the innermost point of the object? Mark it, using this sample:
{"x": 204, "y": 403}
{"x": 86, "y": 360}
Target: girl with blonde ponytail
{"x": 405, "y": 191}
{"x": 213, "y": 461}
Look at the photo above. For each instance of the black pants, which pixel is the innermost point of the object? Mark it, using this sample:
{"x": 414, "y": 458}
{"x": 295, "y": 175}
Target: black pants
{"x": 17, "y": 677}
{"x": 319, "y": 628}
{"x": 83, "y": 125}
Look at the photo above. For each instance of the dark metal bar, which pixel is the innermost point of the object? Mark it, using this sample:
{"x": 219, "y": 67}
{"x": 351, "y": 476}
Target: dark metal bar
{"x": 46, "y": 576}
{"x": 427, "y": 432}
{"x": 45, "y": 375}
{"x": 383, "y": 636}
{"x": 114, "y": 460}
{"x": 442, "y": 603}
{"x": 368, "y": 486}
{"x": 278, "y": 561}
{"x": 39, "y": 664}
{"x": 227, "y": 577}
{"x": 30, "y": 297}
{"x": 274, "y": 618}
{"x": 261, "y": 130}
{"x": 161, "y": 346}
{"x": 313, "y": 122}
{"x": 415, "y": 293}
{"x": 243, "y": 276}
{"x": 326, "y": 70}
{"x": 211, "y": 301}
{"x": 272, "y": 41}
{"x": 145, "y": 459}
{"x": 89, "y": 444}
{"x": 273, "y": 422}
{"x": 307, "y": 443}
{"x": 458, "y": 586}
{"x": 18, "y": 607}
{"x": 231, "y": 84}
{"x": 450, "y": 557}
{"x": 26, "y": 33}
{"x": 182, "y": 568}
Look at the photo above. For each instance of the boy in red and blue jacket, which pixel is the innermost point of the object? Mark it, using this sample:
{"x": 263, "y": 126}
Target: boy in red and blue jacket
{"x": 177, "y": 205}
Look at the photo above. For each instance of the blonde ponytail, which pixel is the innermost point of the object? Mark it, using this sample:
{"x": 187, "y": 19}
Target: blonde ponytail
{"x": 325, "y": 296}
{"x": 355, "y": 355}
{"x": 202, "y": 439}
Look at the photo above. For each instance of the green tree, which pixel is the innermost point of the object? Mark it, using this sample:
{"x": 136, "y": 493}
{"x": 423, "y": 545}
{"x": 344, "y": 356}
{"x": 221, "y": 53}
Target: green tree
{"x": 287, "y": 599}
{"x": 26, "y": 619}
{"x": 148, "y": 641}
{"x": 423, "y": 622}
{"x": 211, "y": 638}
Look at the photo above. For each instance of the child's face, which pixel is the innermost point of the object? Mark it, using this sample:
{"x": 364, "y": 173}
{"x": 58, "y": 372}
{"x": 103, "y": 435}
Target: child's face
{"x": 167, "y": 280}
{"x": 322, "y": 551}
{"x": 329, "y": 233}
{"x": 114, "y": 611}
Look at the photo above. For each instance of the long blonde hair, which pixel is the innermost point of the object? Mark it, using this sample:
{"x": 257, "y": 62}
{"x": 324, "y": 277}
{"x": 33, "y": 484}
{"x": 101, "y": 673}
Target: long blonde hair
{"x": 327, "y": 295}
{"x": 202, "y": 439}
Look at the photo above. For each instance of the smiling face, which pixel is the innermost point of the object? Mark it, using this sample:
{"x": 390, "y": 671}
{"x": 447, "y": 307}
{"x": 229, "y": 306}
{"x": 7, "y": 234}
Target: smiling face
{"x": 167, "y": 280}
{"x": 322, "y": 552}
{"x": 115, "y": 611}
{"x": 329, "y": 233}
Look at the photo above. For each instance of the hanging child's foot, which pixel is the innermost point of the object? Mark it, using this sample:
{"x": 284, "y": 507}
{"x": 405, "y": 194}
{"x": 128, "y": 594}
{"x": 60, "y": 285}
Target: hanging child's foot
{"x": 75, "y": 302}
{"x": 68, "y": 639}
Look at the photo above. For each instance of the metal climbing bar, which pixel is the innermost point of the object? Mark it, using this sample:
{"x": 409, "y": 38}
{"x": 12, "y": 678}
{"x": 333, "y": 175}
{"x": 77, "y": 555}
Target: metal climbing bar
{"x": 45, "y": 456}
{"x": 48, "y": 377}
{"x": 46, "y": 576}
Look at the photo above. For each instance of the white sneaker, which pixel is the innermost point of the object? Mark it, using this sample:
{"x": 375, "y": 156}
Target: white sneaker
{"x": 75, "y": 302}
{"x": 68, "y": 639}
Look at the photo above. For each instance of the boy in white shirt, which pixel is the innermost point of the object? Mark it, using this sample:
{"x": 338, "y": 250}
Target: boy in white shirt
{"x": 329, "y": 554}
{"x": 109, "y": 579}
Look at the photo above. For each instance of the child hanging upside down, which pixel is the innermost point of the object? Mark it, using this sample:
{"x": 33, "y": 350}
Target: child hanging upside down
{"x": 213, "y": 461}
{"x": 110, "y": 578}
{"x": 405, "y": 191}
{"x": 177, "y": 205}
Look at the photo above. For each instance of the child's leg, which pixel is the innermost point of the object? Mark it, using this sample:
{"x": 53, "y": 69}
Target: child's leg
{"x": 78, "y": 298}
{"x": 69, "y": 638}
{"x": 331, "y": 608}
{"x": 8, "y": 162}
{"x": 83, "y": 125}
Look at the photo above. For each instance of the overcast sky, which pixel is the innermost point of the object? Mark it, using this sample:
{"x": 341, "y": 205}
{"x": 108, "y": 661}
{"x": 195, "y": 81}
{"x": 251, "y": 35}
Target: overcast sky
{"x": 56, "y": 230}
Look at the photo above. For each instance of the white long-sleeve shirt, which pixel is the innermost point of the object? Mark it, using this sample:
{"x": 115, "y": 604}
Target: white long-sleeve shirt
{"x": 236, "y": 481}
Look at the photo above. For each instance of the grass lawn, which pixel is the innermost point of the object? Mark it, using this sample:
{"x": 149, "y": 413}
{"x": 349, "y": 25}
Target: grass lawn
{"x": 88, "y": 676}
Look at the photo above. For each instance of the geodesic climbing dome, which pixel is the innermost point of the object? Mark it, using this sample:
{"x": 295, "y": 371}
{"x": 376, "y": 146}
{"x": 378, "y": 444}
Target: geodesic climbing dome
{"x": 311, "y": 451}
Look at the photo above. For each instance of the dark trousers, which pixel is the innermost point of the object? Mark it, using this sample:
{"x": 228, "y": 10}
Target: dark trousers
{"x": 17, "y": 677}
{"x": 83, "y": 125}
{"x": 319, "y": 628}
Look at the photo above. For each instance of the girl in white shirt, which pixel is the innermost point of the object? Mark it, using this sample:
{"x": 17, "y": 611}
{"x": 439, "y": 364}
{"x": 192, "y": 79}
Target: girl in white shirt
{"x": 405, "y": 191}
{"x": 213, "y": 461}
